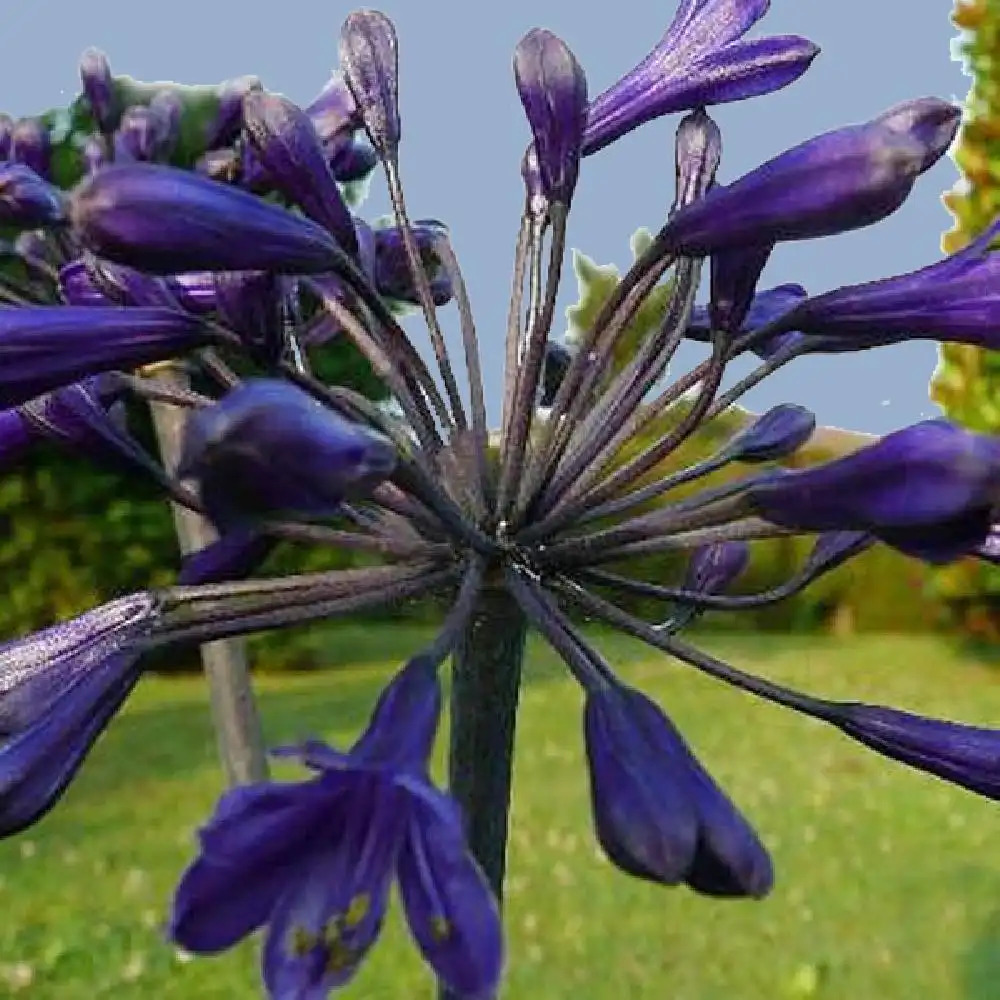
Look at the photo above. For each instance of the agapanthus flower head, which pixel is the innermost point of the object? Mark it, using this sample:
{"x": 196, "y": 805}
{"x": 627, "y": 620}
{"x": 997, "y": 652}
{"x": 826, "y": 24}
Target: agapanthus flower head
{"x": 256, "y": 453}
{"x": 290, "y": 150}
{"x": 370, "y": 63}
{"x": 26, "y": 200}
{"x": 657, "y": 813}
{"x": 833, "y": 183}
{"x": 553, "y": 90}
{"x": 98, "y": 88}
{"x": 166, "y": 221}
{"x": 929, "y": 490}
{"x": 315, "y": 861}
{"x": 700, "y": 61}
{"x": 59, "y": 688}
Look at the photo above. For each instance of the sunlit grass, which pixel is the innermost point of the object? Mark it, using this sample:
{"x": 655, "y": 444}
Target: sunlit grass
{"x": 888, "y": 881}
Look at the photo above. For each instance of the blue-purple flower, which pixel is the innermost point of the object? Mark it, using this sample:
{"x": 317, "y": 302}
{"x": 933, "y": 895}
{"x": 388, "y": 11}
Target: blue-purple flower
{"x": 26, "y": 200}
{"x": 314, "y": 861}
{"x": 267, "y": 449}
{"x": 59, "y": 688}
{"x": 701, "y": 60}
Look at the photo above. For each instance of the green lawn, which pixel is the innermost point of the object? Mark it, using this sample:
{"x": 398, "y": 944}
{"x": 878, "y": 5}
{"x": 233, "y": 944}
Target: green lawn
{"x": 888, "y": 881}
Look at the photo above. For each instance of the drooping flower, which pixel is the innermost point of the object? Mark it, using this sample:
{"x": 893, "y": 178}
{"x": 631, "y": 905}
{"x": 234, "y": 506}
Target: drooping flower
{"x": 99, "y": 88}
{"x": 267, "y": 448}
{"x": 314, "y": 861}
{"x": 370, "y": 64}
{"x": 31, "y": 145}
{"x": 929, "y": 490}
{"x": 657, "y": 813}
{"x": 700, "y": 61}
{"x": 59, "y": 688}
{"x": 26, "y": 200}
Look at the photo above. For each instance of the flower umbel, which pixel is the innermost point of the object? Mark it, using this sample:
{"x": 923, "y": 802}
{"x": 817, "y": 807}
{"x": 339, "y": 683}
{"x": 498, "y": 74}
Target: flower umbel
{"x": 511, "y": 527}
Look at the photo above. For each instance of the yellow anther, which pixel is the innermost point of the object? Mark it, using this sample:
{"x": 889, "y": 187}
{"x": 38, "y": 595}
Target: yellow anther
{"x": 331, "y": 932}
{"x": 300, "y": 942}
{"x": 440, "y": 929}
{"x": 357, "y": 910}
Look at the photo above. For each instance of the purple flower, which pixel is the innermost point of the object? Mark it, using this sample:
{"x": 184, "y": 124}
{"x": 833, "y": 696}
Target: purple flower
{"x": 713, "y": 567}
{"x": 233, "y": 556}
{"x": 700, "y": 61}
{"x": 553, "y": 90}
{"x": 98, "y": 88}
{"x": 32, "y": 146}
{"x": 59, "y": 688}
{"x": 94, "y": 154}
{"x": 138, "y": 135}
{"x": 928, "y": 490}
{"x": 955, "y": 299}
{"x": 351, "y": 161}
{"x": 778, "y": 432}
{"x": 765, "y": 308}
{"x": 370, "y": 65}
{"x": 964, "y": 755}
{"x": 26, "y": 200}
{"x": 267, "y": 448}
{"x": 315, "y": 861}
{"x": 225, "y": 127}
{"x": 249, "y": 303}
{"x": 733, "y": 278}
{"x": 291, "y": 153}
{"x": 44, "y": 347}
{"x": 657, "y": 813}
{"x": 391, "y": 271}
{"x": 167, "y": 221}
{"x": 698, "y": 149}
{"x": 833, "y": 183}
{"x": 555, "y": 365}
{"x": 334, "y": 112}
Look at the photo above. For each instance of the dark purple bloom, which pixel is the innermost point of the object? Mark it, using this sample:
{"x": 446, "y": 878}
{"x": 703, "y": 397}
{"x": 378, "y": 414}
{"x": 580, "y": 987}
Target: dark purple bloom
{"x": 94, "y": 154}
{"x": 290, "y": 150}
{"x": 698, "y": 149}
{"x": 59, "y": 688}
{"x": 955, "y": 299}
{"x": 98, "y": 88}
{"x": 700, "y": 61}
{"x": 44, "y": 347}
{"x": 334, "y": 112}
{"x": 228, "y": 122}
{"x": 765, "y": 308}
{"x": 833, "y": 183}
{"x": 167, "y": 109}
{"x": 17, "y": 436}
{"x": 370, "y": 65}
{"x": 32, "y": 146}
{"x": 555, "y": 366}
{"x": 88, "y": 418}
{"x": 733, "y": 278}
{"x": 234, "y": 556}
{"x": 932, "y": 121}
{"x": 249, "y": 303}
{"x": 929, "y": 490}
{"x": 137, "y": 136}
{"x": 167, "y": 221}
{"x": 26, "y": 200}
{"x": 267, "y": 448}
{"x": 91, "y": 282}
{"x": 778, "y": 432}
{"x": 315, "y": 861}
{"x": 391, "y": 273}
{"x": 6, "y": 136}
{"x": 553, "y": 90}
{"x": 964, "y": 755}
{"x": 658, "y": 814}
{"x": 351, "y": 161}
{"x": 713, "y": 567}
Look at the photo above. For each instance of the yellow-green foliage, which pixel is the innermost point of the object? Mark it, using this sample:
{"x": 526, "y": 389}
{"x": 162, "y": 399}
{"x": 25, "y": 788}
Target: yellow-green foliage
{"x": 966, "y": 384}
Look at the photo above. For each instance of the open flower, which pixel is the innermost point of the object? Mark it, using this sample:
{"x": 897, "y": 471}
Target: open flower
{"x": 315, "y": 861}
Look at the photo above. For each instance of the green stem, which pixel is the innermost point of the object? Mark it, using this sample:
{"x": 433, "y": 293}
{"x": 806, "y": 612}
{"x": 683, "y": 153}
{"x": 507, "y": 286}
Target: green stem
{"x": 486, "y": 678}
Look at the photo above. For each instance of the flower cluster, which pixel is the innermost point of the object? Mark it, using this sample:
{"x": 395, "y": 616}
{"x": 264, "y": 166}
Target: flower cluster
{"x": 256, "y": 256}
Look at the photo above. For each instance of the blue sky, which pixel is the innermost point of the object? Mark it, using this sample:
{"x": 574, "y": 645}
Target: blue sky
{"x": 464, "y": 134}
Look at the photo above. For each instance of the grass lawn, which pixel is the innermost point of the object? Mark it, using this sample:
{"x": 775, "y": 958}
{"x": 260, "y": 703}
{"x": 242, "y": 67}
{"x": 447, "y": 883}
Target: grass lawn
{"x": 888, "y": 881}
